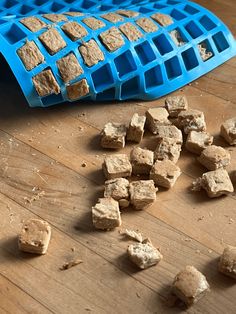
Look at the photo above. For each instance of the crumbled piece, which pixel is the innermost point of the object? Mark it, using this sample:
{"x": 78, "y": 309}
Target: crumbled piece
{"x": 127, "y": 13}
{"x": 167, "y": 149}
{"x": 69, "y": 67}
{"x": 133, "y": 235}
{"x": 177, "y": 38}
{"x": 197, "y": 141}
{"x": 68, "y": 265}
{"x": 33, "y": 23}
{"x": 91, "y": 52}
{"x": 55, "y": 17}
{"x": 113, "y": 135}
{"x": 131, "y": 31}
{"x": 35, "y": 236}
{"x": 45, "y": 83}
{"x": 176, "y": 104}
{"x": 144, "y": 255}
{"x": 205, "y": 55}
{"x": 52, "y": 40}
{"x": 215, "y": 183}
{"x": 170, "y": 131}
{"x": 228, "y": 131}
{"x": 93, "y": 23}
{"x": 192, "y": 120}
{"x": 77, "y": 90}
{"x": 112, "y": 17}
{"x": 227, "y": 263}
{"x": 190, "y": 285}
{"x": 142, "y": 193}
{"x": 141, "y": 160}
{"x": 74, "y": 30}
{"x": 112, "y": 39}
{"x": 117, "y": 166}
{"x": 165, "y": 173}
{"x": 214, "y": 157}
{"x": 118, "y": 189}
{"x": 30, "y": 55}
{"x": 155, "y": 118}
{"x": 147, "y": 25}
{"x": 162, "y": 19}
{"x": 74, "y": 13}
{"x": 106, "y": 214}
{"x": 136, "y": 128}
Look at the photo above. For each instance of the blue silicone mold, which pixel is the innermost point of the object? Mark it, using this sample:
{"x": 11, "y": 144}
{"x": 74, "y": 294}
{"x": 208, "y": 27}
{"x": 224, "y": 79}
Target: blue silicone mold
{"x": 147, "y": 68}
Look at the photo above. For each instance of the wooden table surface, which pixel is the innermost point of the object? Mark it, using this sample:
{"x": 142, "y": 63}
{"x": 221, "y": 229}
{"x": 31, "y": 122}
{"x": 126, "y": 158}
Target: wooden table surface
{"x": 41, "y": 157}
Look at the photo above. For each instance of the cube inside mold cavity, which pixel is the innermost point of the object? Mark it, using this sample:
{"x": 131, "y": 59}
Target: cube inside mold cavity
{"x": 77, "y": 90}
{"x": 93, "y": 23}
{"x": 113, "y": 135}
{"x": 118, "y": 189}
{"x": 176, "y": 104}
{"x": 204, "y": 51}
{"x": 147, "y": 25}
{"x": 165, "y": 173}
{"x": 45, "y": 83}
{"x": 106, "y": 214}
{"x": 141, "y": 160}
{"x": 52, "y": 40}
{"x": 156, "y": 117}
{"x": 228, "y": 131}
{"x": 131, "y": 31}
{"x": 197, "y": 141}
{"x": 191, "y": 120}
{"x": 227, "y": 263}
{"x": 34, "y": 236}
{"x": 117, "y": 166}
{"x": 69, "y": 67}
{"x": 136, "y": 128}
{"x": 30, "y": 55}
{"x": 142, "y": 193}
{"x": 33, "y": 23}
{"x": 74, "y": 30}
{"x": 177, "y": 38}
{"x": 214, "y": 157}
{"x": 112, "y": 17}
{"x": 112, "y": 39}
{"x": 128, "y": 13}
{"x": 53, "y": 17}
{"x": 163, "y": 19}
{"x": 91, "y": 52}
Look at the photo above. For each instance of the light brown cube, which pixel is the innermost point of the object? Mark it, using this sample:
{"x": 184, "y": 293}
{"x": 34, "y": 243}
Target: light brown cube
{"x": 192, "y": 120}
{"x": 33, "y": 23}
{"x": 53, "y": 17}
{"x": 112, "y": 17}
{"x": 162, "y": 19}
{"x": 118, "y": 189}
{"x": 177, "y": 38}
{"x": 127, "y": 13}
{"x": 170, "y": 131}
{"x": 204, "y": 53}
{"x": 176, "y": 104}
{"x": 112, "y": 39}
{"x": 74, "y": 13}
{"x": 77, "y": 90}
{"x": 141, "y": 160}
{"x": 131, "y": 31}
{"x": 30, "y": 55}
{"x": 74, "y": 30}
{"x": 45, "y": 83}
{"x": 106, "y": 214}
{"x": 69, "y": 67}
{"x": 113, "y": 135}
{"x": 155, "y": 118}
{"x": 144, "y": 255}
{"x": 142, "y": 193}
{"x": 34, "y": 236}
{"x": 214, "y": 157}
{"x": 93, "y": 23}
{"x": 167, "y": 149}
{"x": 147, "y": 25}
{"x": 190, "y": 285}
{"x": 197, "y": 141}
{"x": 52, "y": 40}
{"x": 91, "y": 52}
{"x": 227, "y": 263}
{"x": 136, "y": 128}
{"x": 117, "y": 166}
{"x": 165, "y": 173}
{"x": 228, "y": 131}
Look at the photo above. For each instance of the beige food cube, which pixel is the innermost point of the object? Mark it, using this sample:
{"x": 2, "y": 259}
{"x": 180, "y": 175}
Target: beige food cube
{"x": 147, "y": 24}
{"x": 155, "y": 118}
{"x": 165, "y": 173}
{"x": 52, "y": 40}
{"x": 163, "y": 19}
{"x": 228, "y": 131}
{"x": 214, "y": 157}
{"x": 141, "y": 160}
{"x": 190, "y": 285}
{"x": 171, "y": 131}
{"x": 106, "y": 214}
{"x": 34, "y": 236}
{"x": 30, "y": 55}
{"x": 69, "y": 67}
{"x": 192, "y": 120}
{"x": 33, "y": 23}
{"x": 117, "y": 166}
{"x": 93, "y": 23}
{"x": 144, "y": 255}
{"x": 204, "y": 53}
{"x": 167, "y": 149}
{"x": 127, "y": 13}
{"x": 227, "y": 263}
{"x": 112, "y": 39}
{"x": 177, "y": 38}
{"x": 45, "y": 83}
{"x": 118, "y": 189}
{"x": 142, "y": 193}
{"x": 74, "y": 30}
{"x": 131, "y": 31}
{"x": 176, "y": 104}
{"x": 113, "y": 135}
{"x": 136, "y": 128}
{"x": 91, "y": 52}
{"x": 53, "y": 17}
{"x": 112, "y": 17}
{"x": 197, "y": 141}
{"x": 71, "y": 13}
{"x": 77, "y": 90}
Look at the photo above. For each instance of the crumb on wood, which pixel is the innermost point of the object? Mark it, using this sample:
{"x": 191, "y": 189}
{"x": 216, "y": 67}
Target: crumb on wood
{"x": 70, "y": 264}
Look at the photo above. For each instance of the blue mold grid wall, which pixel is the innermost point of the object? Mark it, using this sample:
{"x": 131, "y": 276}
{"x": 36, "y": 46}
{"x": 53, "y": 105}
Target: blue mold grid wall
{"x": 145, "y": 69}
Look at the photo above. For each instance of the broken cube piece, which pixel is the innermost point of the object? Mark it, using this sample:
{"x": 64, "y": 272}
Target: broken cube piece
{"x": 52, "y": 40}
{"x": 165, "y": 173}
{"x": 69, "y": 67}
{"x": 30, "y": 55}
{"x": 136, "y": 128}
{"x": 112, "y": 39}
{"x": 197, "y": 141}
{"x": 228, "y": 131}
{"x": 227, "y": 263}
{"x": 191, "y": 120}
{"x": 142, "y": 193}
{"x": 155, "y": 118}
{"x": 106, "y": 214}
{"x": 141, "y": 160}
{"x": 204, "y": 53}
{"x": 45, "y": 83}
{"x": 77, "y": 90}
{"x": 167, "y": 149}
{"x": 176, "y": 104}
{"x": 113, "y": 135}
{"x": 91, "y": 52}
{"x": 190, "y": 285}
{"x": 34, "y": 236}
{"x": 118, "y": 189}
{"x": 117, "y": 166}
{"x": 214, "y": 157}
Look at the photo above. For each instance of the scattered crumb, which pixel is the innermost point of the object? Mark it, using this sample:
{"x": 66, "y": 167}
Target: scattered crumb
{"x": 132, "y": 235}
{"x": 198, "y": 251}
{"x": 200, "y": 218}
{"x": 209, "y": 251}
{"x": 68, "y": 265}
{"x": 84, "y": 165}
